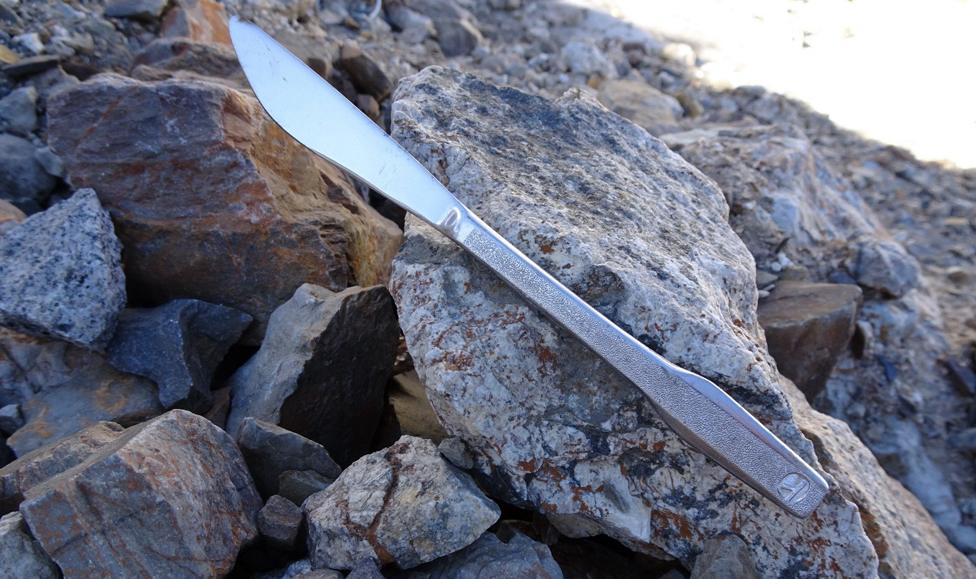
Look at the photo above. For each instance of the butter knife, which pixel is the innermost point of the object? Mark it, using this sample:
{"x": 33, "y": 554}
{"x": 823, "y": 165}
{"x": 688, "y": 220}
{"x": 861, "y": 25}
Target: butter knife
{"x": 318, "y": 116}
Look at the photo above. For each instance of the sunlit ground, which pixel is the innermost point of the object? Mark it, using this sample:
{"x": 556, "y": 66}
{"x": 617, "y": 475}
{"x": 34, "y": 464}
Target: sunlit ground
{"x": 902, "y": 72}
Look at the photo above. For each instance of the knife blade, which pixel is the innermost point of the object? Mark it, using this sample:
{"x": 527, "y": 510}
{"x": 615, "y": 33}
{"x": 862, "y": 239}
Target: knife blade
{"x": 318, "y": 116}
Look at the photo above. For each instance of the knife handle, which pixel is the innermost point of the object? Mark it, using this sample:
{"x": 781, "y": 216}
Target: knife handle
{"x": 700, "y": 412}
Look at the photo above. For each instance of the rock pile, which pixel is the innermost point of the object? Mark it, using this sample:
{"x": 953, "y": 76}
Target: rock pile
{"x": 221, "y": 355}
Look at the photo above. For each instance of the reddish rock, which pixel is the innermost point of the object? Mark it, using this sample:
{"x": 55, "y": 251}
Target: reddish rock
{"x": 200, "y": 20}
{"x": 169, "y": 498}
{"x": 211, "y": 199}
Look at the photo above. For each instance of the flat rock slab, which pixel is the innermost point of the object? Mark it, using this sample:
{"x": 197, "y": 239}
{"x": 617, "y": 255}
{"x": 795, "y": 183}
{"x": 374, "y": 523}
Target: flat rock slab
{"x": 170, "y": 497}
{"x": 211, "y": 199}
{"x": 404, "y": 504}
{"x": 643, "y": 237}
{"x": 322, "y": 368}
{"x": 178, "y": 346}
{"x": 808, "y": 326}
{"x": 489, "y": 556}
{"x": 38, "y": 466}
{"x": 61, "y": 273}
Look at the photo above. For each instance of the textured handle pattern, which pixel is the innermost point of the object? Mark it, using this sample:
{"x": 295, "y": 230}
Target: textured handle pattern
{"x": 696, "y": 409}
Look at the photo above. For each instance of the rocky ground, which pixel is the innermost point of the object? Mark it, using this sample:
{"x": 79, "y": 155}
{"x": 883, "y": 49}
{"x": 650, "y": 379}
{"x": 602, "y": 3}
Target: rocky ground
{"x": 222, "y": 356}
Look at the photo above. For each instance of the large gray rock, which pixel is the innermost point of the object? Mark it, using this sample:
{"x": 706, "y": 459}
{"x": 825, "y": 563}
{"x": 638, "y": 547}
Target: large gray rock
{"x": 794, "y": 212}
{"x": 642, "y": 236}
{"x": 270, "y": 451}
{"x": 178, "y": 346}
{"x": 807, "y": 326}
{"x": 20, "y": 555}
{"x": 404, "y": 504}
{"x": 62, "y": 389}
{"x": 489, "y": 557}
{"x": 23, "y": 181}
{"x": 322, "y": 369}
{"x": 171, "y": 497}
{"x": 61, "y": 273}
{"x": 243, "y": 224}
{"x": 38, "y": 466}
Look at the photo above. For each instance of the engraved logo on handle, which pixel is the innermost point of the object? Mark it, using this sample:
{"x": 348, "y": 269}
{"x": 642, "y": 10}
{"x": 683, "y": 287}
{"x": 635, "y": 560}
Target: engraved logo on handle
{"x": 793, "y": 488}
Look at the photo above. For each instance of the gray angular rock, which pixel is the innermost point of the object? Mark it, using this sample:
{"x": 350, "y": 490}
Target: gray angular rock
{"x": 808, "y": 326}
{"x": 489, "y": 557}
{"x": 298, "y": 485}
{"x": 20, "y": 555}
{"x": 404, "y": 504}
{"x": 583, "y": 57}
{"x": 322, "y": 368}
{"x": 18, "y": 111}
{"x": 23, "y": 181}
{"x": 178, "y": 346}
{"x": 643, "y": 104}
{"x": 244, "y": 225}
{"x": 50, "y": 161}
{"x": 270, "y": 451}
{"x": 724, "y": 557}
{"x": 146, "y": 10}
{"x": 279, "y": 522}
{"x": 38, "y": 466}
{"x": 61, "y": 273}
{"x": 885, "y": 266}
{"x": 171, "y": 496}
{"x": 62, "y": 388}
{"x": 642, "y": 236}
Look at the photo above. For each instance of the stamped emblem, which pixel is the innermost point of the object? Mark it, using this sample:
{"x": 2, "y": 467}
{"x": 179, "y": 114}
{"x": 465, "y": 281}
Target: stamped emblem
{"x": 793, "y": 488}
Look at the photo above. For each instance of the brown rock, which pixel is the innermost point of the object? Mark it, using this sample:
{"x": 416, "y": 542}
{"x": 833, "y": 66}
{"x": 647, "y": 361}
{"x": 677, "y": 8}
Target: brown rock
{"x": 643, "y": 104}
{"x": 413, "y": 410}
{"x": 36, "y": 467}
{"x": 807, "y": 327}
{"x": 366, "y": 75}
{"x": 183, "y": 55}
{"x": 170, "y": 497}
{"x": 9, "y": 215}
{"x": 199, "y": 20}
{"x": 211, "y": 199}
{"x": 724, "y": 557}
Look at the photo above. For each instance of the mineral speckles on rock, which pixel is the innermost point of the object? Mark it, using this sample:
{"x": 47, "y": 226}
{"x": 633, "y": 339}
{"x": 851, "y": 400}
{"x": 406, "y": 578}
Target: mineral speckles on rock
{"x": 641, "y": 235}
{"x": 404, "y": 504}
{"x": 61, "y": 273}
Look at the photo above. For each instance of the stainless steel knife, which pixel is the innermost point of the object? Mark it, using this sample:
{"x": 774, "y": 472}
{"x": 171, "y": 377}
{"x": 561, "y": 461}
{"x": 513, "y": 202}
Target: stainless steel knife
{"x": 319, "y": 117}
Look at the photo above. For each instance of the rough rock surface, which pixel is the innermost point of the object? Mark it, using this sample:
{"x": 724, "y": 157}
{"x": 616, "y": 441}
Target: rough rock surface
{"x": 800, "y": 219}
{"x": 279, "y": 522}
{"x": 322, "y": 369}
{"x": 487, "y": 557}
{"x": 62, "y": 388}
{"x": 61, "y": 273}
{"x": 270, "y": 451}
{"x": 807, "y": 326}
{"x": 20, "y": 555}
{"x": 124, "y": 511}
{"x": 244, "y": 224}
{"x": 36, "y": 467}
{"x": 178, "y": 346}
{"x": 643, "y": 237}
{"x": 404, "y": 504}
{"x": 724, "y": 557}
